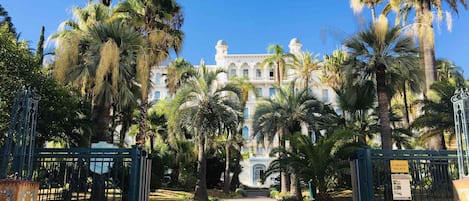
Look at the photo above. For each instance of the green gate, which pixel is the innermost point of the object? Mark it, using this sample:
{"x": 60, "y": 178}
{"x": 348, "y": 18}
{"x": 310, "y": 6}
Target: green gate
{"x": 431, "y": 174}
{"x": 117, "y": 174}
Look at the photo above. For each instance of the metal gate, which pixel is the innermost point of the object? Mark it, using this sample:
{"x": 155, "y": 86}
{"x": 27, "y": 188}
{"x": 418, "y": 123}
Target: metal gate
{"x": 431, "y": 174}
{"x": 117, "y": 174}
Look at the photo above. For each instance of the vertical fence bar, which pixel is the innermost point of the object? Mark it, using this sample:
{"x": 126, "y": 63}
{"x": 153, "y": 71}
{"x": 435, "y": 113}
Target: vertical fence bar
{"x": 133, "y": 187}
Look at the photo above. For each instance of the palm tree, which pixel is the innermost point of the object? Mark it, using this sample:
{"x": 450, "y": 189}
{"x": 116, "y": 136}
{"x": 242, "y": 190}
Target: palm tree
{"x": 279, "y": 60}
{"x": 178, "y": 72}
{"x": 316, "y": 161}
{"x": 5, "y": 19}
{"x": 332, "y": 69}
{"x": 283, "y": 115}
{"x": 438, "y": 116}
{"x": 205, "y": 108}
{"x": 235, "y": 141}
{"x": 357, "y": 6}
{"x": 304, "y": 65}
{"x": 160, "y": 23}
{"x": 425, "y": 31}
{"x": 95, "y": 62}
{"x": 372, "y": 53}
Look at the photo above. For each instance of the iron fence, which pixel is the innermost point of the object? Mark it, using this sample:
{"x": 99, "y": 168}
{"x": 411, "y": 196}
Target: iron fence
{"x": 80, "y": 174}
{"x": 431, "y": 173}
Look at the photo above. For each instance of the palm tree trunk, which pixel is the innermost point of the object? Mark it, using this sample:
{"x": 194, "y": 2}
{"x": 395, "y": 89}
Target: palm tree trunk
{"x": 406, "y": 106}
{"x": 295, "y": 188}
{"x": 426, "y": 42}
{"x": 101, "y": 121}
{"x": 201, "y": 183}
{"x": 226, "y": 182}
{"x": 143, "y": 122}
{"x": 237, "y": 170}
{"x": 283, "y": 175}
{"x": 383, "y": 106}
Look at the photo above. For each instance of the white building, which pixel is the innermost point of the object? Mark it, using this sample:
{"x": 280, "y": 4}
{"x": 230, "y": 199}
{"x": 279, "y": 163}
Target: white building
{"x": 248, "y": 65}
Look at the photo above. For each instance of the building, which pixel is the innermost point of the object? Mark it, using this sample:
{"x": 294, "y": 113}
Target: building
{"x": 256, "y": 156}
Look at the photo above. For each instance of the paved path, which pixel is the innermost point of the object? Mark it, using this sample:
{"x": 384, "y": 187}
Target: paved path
{"x": 254, "y": 195}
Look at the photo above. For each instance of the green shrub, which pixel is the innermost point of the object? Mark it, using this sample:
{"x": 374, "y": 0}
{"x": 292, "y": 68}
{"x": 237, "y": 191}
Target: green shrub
{"x": 240, "y": 191}
{"x": 274, "y": 193}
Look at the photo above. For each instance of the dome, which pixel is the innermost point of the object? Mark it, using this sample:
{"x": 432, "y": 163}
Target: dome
{"x": 221, "y": 42}
{"x": 294, "y": 41}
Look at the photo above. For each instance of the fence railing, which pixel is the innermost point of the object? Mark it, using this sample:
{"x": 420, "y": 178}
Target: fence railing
{"x": 117, "y": 174}
{"x": 431, "y": 173}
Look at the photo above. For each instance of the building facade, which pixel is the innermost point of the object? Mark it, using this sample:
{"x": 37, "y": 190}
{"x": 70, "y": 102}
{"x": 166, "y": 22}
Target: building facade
{"x": 256, "y": 156}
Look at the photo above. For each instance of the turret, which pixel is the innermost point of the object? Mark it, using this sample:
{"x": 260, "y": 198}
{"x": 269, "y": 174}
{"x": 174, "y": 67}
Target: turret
{"x": 222, "y": 50}
{"x": 295, "y": 46}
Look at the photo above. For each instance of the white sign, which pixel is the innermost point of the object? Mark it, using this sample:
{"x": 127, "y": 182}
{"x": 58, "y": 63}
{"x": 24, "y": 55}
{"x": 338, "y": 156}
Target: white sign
{"x": 101, "y": 165}
{"x": 401, "y": 187}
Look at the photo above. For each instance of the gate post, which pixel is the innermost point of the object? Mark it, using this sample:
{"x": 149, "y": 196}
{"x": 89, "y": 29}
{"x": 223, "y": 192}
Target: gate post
{"x": 134, "y": 174}
{"x": 364, "y": 175}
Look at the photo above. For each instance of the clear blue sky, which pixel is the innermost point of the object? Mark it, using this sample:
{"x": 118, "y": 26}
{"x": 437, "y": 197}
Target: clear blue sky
{"x": 249, "y": 26}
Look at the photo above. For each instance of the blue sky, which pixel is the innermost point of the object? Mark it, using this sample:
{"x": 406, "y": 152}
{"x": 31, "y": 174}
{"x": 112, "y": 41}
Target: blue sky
{"x": 249, "y": 26}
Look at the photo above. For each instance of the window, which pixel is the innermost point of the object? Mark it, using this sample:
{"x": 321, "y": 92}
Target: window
{"x": 246, "y": 113}
{"x": 271, "y": 91}
{"x": 158, "y": 78}
{"x": 156, "y": 95}
{"x": 245, "y": 149}
{"x": 325, "y": 95}
{"x": 260, "y": 150}
{"x": 246, "y": 133}
{"x": 271, "y": 73}
{"x": 259, "y": 91}
{"x": 258, "y": 73}
{"x": 245, "y": 72}
{"x": 233, "y": 72}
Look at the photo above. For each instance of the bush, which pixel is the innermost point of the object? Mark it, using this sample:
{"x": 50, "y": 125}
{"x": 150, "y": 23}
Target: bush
{"x": 323, "y": 196}
{"x": 274, "y": 193}
{"x": 240, "y": 191}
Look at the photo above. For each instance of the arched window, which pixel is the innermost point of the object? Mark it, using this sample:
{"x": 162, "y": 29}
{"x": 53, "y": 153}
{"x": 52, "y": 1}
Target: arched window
{"x": 158, "y": 78}
{"x": 246, "y": 113}
{"x": 246, "y": 133}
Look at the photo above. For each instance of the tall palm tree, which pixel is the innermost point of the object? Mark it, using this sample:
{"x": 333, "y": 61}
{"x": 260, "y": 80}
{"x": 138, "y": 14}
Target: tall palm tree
{"x": 283, "y": 115}
{"x": 424, "y": 28}
{"x": 304, "y": 64}
{"x": 357, "y": 6}
{"x": 372, "y": 53}
{"x": 178, "y": 72}
{"x": 102, "y": 62}
{"x": 279, "y": 61}
{"x": 206, "y": 108}
{"x": 235, "y": 141}
{"x": 160, "y": 23}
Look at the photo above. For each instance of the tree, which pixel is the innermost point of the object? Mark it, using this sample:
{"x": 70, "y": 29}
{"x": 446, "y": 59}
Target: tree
{"x": 438, "y": 116}
{"x": 5, "y": 20}
{"x": 424, "y": 28}
{"x": 332, "y": 69}
{"x": 61, "y": 114}
{"x": 304, "y": 65}
{"x": 283, "y": 115}
{"x": 357, "y": 6}
{"x": 279, "y": 60}
{"x": 178, "y": 72}
{"x": 317, "y": 162}
{"x": 160, "y": 23}
{"x": 102, "y": 62}
{"x": 372, "y": 53}
{"x": 235, "y": 140}
{"x": 205, "y": 108}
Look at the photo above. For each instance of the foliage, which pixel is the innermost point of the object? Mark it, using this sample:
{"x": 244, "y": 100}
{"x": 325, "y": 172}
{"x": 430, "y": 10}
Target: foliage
{"x": 240, "y": 191}
{"x": 61, "y": 114}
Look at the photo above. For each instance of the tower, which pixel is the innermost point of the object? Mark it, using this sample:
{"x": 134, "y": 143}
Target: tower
{"x": 295, "y": 46}
{"x": 222, "y": 50}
